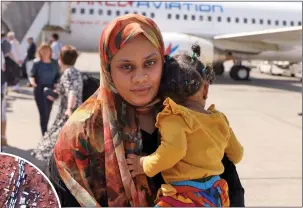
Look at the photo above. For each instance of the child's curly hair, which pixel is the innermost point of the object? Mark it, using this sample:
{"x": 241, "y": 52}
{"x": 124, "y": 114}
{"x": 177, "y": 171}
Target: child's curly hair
{"x": 183, "y": 75}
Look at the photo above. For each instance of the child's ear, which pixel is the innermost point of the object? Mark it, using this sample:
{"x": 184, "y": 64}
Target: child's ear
{"x": 205, "y": 90}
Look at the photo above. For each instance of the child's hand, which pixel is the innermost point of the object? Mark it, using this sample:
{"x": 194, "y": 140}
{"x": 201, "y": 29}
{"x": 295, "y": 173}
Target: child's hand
{"x": 135, "y": 164}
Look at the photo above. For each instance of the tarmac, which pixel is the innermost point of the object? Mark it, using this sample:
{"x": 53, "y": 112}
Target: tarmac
{"x": 263, "y": 113}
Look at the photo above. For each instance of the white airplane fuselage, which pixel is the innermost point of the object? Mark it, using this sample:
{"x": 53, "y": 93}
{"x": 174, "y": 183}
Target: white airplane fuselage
{"x": 203, "y": 19}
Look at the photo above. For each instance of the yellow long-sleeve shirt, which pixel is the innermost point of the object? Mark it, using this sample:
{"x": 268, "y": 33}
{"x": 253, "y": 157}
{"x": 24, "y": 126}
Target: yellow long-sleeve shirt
{"x": 192, "y": 144}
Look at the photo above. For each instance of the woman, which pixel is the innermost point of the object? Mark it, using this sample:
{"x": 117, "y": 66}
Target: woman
{"x": 89, "y": 167}
{"x": 70, "y": 91}
{"x": 44, "y": 74}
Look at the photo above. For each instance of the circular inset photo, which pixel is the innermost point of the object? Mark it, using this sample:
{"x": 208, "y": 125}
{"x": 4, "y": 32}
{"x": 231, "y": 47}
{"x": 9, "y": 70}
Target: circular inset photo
{"x": 23, "y": 185}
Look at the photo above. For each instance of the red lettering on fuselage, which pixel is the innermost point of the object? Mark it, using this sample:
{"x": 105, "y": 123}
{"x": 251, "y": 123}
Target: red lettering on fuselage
{"x": 108, "y": 4}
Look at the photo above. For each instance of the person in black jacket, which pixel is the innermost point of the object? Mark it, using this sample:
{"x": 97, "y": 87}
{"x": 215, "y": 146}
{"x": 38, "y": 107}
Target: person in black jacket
{"x": 30, "y": 56}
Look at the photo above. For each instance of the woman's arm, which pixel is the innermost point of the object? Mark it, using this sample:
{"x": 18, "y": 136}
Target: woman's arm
{"x": 236, "y": 190}
{"x": 71, "y": 84}
{"x": 57, "y": 71}
{"x": 32, "y": 75}
{"x": 71, "y": 103}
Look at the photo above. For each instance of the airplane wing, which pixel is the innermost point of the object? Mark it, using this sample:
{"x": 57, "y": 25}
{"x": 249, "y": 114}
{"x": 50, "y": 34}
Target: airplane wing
{"x": 280, "y": 39}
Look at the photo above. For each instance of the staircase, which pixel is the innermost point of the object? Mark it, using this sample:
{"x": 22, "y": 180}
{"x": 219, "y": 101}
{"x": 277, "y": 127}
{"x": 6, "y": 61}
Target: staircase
{"x": 19, "y": 16}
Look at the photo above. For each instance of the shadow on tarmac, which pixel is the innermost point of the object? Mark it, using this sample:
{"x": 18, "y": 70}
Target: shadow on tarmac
{"x": 274, "y": 82}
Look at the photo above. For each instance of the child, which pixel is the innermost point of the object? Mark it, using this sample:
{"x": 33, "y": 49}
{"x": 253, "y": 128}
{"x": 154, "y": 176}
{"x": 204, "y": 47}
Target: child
{"x": 193, "y": 139}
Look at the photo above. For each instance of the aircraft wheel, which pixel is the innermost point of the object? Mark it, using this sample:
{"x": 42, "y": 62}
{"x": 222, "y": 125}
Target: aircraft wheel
{"x": 239, "y": 73}
{"x": 218, "y": 68}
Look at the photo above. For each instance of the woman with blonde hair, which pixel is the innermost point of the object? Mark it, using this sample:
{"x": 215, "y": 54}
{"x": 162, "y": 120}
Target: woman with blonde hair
{"x": 44, "y": 74}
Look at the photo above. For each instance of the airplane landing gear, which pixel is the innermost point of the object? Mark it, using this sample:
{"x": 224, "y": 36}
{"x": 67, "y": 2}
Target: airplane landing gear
{"x": 239, "y": 72}
{"x": 219, "y": 68}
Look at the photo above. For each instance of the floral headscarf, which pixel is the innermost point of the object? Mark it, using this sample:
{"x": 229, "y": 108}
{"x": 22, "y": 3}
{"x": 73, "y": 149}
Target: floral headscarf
{"x": 90, "y": 153}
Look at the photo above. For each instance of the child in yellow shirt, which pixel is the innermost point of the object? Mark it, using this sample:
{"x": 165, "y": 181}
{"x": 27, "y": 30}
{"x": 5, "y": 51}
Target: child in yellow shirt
{"x": 193, "y": 139}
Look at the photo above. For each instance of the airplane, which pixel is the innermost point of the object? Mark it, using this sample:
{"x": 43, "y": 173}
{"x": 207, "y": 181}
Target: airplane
{"x": 228, "y": 30}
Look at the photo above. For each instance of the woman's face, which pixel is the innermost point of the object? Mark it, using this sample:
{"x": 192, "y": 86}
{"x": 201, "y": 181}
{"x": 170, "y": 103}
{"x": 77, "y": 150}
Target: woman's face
{"x": 45, "y": 53}
{"x": 136, "y": 71}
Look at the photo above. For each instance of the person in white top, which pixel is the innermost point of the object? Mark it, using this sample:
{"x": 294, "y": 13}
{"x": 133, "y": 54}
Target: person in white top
{"x": 16, "y": 53}
{"x": 56, "y": 46}
{"x": 16, "y": 50}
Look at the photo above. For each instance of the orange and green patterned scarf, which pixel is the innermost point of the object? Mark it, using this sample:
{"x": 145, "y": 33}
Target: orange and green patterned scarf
{"x": 91, "y": 149}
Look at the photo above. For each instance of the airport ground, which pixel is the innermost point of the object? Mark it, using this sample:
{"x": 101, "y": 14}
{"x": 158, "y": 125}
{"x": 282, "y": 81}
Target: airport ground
{"x": 263, "y": 113}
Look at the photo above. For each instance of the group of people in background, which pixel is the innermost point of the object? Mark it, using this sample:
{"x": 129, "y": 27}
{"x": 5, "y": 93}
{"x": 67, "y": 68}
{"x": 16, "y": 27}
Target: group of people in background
{"x": 50, "y": 70}
{"x": 10, "y": 73}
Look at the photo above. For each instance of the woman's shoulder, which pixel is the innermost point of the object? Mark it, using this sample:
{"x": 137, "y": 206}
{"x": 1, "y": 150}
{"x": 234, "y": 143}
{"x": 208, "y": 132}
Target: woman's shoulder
{"x": 37, "y": 61}
{"x": 73, "y": 72}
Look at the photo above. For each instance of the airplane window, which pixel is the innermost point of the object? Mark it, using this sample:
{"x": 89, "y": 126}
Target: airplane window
{"x": 185, "y": 17}
{"x": 177, "y": 16}
{"x": 91, "y": 11}
{"x": 292, "y": 23}
{"x": 100, "y": 11}
{"x": 126, "y": 12}
{"x": 118, "y": 13}
{"x": 245, "y": 20}
{"x": 152, "y": 15}
{"x": 201, "y": 18}
{"x": 109, "y": 12}
{"x": 284, "y": 23}
{"x": 268, "y": 22}
{"x": 193, "y": 17}
{"x": 261, "y": 21}
{"x": 219, "y": 19}
{"x": 299, "y": 23}
{"x": 73, "y": 10}
{"x": 168, "y": 16}
{"x": 82, "y": 11}
{"x": 253, "y": 21}
{"x": 143, "y": 13}
{"x": 228, "y": 19}
{"x": 277, "y": 22}
{"x": 209, "y": 18}
{"x": 237, "y": 19}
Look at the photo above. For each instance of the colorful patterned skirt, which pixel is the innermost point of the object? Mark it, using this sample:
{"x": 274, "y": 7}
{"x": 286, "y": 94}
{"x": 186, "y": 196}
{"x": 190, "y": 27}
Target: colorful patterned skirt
{"x": 207, "y": 192}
